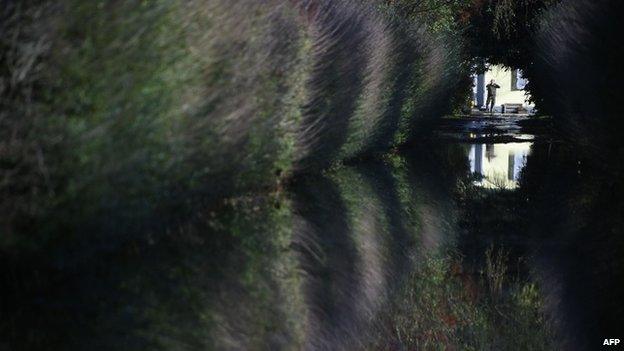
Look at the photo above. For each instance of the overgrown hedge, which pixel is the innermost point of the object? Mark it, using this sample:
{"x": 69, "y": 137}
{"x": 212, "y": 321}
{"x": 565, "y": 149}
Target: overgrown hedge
{"x": 575, "y": 70}
{"x": 114, "y": 114}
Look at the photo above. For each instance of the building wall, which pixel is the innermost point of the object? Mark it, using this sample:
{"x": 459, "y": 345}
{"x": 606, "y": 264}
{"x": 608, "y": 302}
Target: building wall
{"x": 505, "y": 95}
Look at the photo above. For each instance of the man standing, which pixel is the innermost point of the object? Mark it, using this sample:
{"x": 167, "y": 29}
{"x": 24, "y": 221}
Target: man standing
{"x": 491, "y": 95}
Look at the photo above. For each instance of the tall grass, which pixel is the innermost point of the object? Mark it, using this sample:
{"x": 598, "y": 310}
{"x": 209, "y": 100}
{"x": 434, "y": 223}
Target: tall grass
{"x": 444, "y": 307}
{"x": 116, "y": 113}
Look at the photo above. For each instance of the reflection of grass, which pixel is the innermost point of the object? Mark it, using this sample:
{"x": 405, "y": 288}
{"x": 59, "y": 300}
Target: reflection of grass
{"x": 258, "y": 295}
{"x": 226, "y": 278}
{"x": 444, "y": 307}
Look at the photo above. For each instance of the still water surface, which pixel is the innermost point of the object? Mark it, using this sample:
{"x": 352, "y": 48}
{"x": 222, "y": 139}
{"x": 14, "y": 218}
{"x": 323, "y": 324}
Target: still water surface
{"x": 409, "y": 252}
{"x": 498, "y": 165}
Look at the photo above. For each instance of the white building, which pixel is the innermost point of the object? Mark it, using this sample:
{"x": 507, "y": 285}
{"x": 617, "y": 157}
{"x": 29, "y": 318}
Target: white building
{"x": 511, "y": 90}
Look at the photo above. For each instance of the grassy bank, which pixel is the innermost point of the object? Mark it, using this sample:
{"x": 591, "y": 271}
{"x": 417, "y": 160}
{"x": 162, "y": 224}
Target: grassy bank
{"x": 114, "y": 114}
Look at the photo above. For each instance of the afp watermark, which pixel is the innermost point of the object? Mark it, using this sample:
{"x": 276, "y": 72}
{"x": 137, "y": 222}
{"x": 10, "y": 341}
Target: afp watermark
{"x": 611, "y": 342}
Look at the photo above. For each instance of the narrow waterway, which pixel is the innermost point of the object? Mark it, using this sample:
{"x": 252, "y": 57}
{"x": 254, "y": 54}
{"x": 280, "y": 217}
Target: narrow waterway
{"x": 460, "y": 243}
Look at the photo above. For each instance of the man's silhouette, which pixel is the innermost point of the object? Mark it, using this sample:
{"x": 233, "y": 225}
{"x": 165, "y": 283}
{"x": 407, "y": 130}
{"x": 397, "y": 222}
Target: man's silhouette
{"x": 491, "y": 95}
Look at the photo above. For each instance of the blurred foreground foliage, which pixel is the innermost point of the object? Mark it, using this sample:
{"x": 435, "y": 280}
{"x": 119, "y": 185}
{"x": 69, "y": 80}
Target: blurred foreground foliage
{"x": 115, "y": 114}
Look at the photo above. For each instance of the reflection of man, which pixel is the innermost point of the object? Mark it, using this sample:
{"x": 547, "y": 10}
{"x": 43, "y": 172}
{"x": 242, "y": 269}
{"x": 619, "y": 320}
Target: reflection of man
{"x": 511, "y": 166}
{"x": 491, "y": 95}
{"x": 489, "y": 152}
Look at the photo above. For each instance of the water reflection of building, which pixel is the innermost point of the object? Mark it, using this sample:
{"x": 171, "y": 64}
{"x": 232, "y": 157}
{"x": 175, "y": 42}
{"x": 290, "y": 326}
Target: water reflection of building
{"x": 476, "y": 162}
{"x": 499, "y": 165}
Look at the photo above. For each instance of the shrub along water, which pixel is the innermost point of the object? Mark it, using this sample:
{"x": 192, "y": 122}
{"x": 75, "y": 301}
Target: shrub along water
{"x": 575, "y": 76}
{"x": 129, "y": 108}
{"x": 114, "y": 114}
{"x": 577, "y": 69}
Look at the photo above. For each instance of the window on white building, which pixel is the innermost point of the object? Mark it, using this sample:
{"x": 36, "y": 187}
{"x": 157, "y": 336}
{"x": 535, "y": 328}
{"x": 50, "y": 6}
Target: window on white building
{"x": 518, "y": 82}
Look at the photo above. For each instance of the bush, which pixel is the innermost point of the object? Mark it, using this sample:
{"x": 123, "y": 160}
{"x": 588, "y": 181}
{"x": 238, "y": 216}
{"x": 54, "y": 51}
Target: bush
{"x": 576, "y": 74}
{"x": 115, "y": 114}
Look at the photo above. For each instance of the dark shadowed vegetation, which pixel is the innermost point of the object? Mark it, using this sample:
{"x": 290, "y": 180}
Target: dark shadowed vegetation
{"x": 345, "y": 260}
{"x": 251, "y": 175}
{"x": 572, "y": 199}
{"x": 577, "y": 70}
{"x": 110, "y": 108}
